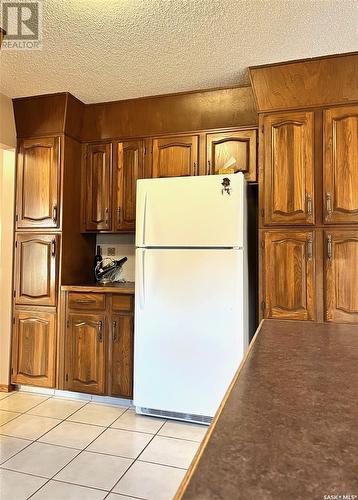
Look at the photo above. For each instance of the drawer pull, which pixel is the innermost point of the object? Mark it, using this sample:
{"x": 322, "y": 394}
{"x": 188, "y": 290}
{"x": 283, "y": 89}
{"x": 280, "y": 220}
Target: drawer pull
{"x": 114, "y": 332}
{"x": 53, "y": 247}
{"x": 309, "y": 248}
{"x": 309, "y": 205}
{"x": 329, "y": 204}
{"x": 100, "y": 331}
{"x": 329, "y": 247}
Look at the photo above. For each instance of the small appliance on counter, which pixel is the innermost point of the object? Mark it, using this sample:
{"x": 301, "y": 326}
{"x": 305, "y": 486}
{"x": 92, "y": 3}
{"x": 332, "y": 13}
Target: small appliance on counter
{"x": 107, "y": 270}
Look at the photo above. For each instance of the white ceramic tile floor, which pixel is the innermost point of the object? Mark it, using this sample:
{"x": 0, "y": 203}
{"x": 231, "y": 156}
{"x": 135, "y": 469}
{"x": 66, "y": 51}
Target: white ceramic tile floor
{"x": 60, "y": 449}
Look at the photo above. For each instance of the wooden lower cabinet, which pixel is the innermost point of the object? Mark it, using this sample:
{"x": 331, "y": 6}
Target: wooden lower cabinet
{"x": 34, "y": 348}
{"x": 289, "y": 275}
{"x": 341, "y": 276}
{"x": 85, "y": 353}
{"x": 98, "y": 346}
{"x": 121, "y": 356}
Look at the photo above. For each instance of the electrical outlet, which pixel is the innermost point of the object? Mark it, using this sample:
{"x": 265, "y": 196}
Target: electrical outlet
{"x": 111, "y": 251}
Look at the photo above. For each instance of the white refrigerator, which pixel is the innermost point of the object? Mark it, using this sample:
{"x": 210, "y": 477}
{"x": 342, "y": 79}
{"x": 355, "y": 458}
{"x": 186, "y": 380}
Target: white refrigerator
{"x": 191, "y": 304}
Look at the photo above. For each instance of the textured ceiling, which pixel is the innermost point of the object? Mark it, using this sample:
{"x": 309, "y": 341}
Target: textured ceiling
{"x": 101, "y": 50}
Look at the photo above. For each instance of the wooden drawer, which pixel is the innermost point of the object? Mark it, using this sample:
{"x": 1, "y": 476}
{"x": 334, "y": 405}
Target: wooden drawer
{"x": 85, "y": 301}
{"x": 122, "y": 302}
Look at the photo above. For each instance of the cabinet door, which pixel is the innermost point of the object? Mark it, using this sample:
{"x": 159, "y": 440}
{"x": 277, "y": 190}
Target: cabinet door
{"x": 129, "y": 167}
{"x": 85, "y": 353}
{"x": 341, "y": 275}
{"x": 38, "y": 183}
{"x": 34, "y": 348}
{"x": 289, "y": 168}
{"x": 121, "y": 355}
{"x": 98, "y": 187}
{"x": 340, "y": 170}
{"x": 289, "y": 275}
{"x": 232, "y": 150}
{"x": 35, "y": 271}
{"x": 175, "y": 156}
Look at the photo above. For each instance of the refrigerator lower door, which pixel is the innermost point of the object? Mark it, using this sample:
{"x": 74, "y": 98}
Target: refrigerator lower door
{"x": 198, "y": 211}
{"x": 190, "y": 327}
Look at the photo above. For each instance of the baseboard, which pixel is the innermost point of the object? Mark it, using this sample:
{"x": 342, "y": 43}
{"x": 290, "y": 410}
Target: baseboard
{"x": 75, "y": 395}
{"x": 6, "y": 388}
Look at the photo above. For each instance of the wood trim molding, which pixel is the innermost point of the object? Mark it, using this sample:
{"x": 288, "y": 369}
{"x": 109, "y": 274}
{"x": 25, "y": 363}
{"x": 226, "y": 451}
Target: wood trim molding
{"x": 323, "y": 81}
{"x": 7, "y": 388}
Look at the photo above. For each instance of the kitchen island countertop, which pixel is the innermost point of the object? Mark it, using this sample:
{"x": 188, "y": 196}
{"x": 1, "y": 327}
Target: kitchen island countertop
{"x": 126, "y": 288}
{"x": 288, "y": 425}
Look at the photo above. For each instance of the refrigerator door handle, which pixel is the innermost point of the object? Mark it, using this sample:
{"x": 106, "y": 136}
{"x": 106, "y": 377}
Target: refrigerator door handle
{"x": 142, "y": 281}
{"x": 144, "y": 216}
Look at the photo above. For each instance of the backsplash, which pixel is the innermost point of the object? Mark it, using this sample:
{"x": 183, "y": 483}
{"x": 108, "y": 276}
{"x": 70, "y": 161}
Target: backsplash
{"x": 124, "y": 246}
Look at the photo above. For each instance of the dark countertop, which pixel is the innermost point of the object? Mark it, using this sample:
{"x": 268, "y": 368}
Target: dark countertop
{"x": 288, "y": 426}
{"x": 127, "y": 288}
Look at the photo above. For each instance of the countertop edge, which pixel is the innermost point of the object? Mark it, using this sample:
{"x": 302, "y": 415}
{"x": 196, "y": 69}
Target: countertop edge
{"x": 196, "y": 460}
{"x": 127, "y": 288}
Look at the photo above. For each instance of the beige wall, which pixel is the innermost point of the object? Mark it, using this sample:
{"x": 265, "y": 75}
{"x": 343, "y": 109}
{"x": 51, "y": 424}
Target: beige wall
{"x": 7, "y": 180}
{"x": 7, "y": 123}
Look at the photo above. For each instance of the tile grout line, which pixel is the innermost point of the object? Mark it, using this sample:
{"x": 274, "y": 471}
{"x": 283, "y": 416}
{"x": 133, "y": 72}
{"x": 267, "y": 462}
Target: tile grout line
{"x": 137, "y": 459}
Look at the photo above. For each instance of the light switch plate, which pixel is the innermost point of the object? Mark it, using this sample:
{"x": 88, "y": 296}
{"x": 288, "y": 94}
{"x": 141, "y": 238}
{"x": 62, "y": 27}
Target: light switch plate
{"x": 111, "y": 251}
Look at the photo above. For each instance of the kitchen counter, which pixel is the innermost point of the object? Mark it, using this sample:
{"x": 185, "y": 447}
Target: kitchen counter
{"x": 288, "y": 425}
{"x": 127, "y": 288}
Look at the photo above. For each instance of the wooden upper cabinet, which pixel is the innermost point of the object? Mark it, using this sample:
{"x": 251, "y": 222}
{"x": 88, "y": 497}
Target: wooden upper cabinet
{"x": 340, "y": 168}
{"x": 38, "y": 183}
{"x": 289, "y": 275}
{"x": 35, "y": 269}
{"x": 34, "y": 348}
{"x": 121, "y": 355}
{"x": 98, "y": 196}
{"x": 232, "y": 150}
{"x": 175, "y": 156}
{"x": 289, "y": 168}
{"x": 341, "y": 276}
{"x": 85, "y": 353}
{"x": 129, "y": 165}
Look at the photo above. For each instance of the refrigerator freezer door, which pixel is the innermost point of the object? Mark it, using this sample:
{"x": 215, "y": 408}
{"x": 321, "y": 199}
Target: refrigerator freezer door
{"x": 190, "y": 327}
{"x": 202, "y": 211}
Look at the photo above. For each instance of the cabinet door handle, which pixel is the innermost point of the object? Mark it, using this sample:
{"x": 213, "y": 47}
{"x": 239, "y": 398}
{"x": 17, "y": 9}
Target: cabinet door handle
{"x": 119, "y": 214}
{"x": 53, "y": 247}
{"x": 309, "y": 205}
{"x": 209, "y": 167}
{"x": 106, "y": 216}
{"x": 309, "y": 248}
{"x": 329, "y": 247}
{"x": 54, "y": 214}
{"x": 195, "y": 165}
{"x": 329, "y": 204}
{"x": 114, "y": 332}
{"x": 100, "y": 331}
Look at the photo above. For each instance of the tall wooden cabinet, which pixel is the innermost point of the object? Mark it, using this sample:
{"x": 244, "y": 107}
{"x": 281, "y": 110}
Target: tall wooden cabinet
{"x": 309, "y": 179}
{"x": 48, "y": 249}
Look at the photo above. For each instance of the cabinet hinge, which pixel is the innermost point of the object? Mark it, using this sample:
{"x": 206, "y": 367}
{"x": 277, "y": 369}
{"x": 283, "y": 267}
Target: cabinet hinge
{"x": 68, "y": 323}
{"x": 15, "y": 244}
{"x": 262, "y": 244}
{"x": 14, "y": 293}
{"x": 13, "y": 320}
{"x": 263, "y": 306}
{"x": 262, "y": 129}
{"x": 66, "y": 377}
{"x": 262, "y": 211}
{"x": 12, "y": 371}
{"x": 17, "y": 218}
{"x": 145, "y": 150}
